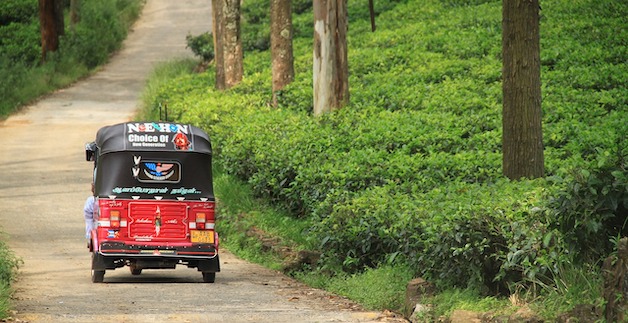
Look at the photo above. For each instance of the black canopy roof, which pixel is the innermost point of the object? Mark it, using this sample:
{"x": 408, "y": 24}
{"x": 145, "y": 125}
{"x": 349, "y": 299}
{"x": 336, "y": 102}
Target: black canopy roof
{"x": 153, "y": 160}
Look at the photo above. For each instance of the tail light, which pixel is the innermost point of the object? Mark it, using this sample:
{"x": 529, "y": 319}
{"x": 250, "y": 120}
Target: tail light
{"x": 203, "y": 219}
{"x": 114, "y": 218}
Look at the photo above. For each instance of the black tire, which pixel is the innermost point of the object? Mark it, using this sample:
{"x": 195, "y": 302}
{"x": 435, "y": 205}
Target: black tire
{"x": 98, "y": 276}
{"x": 134, "y": 270}
{"x": 209, "y": 277}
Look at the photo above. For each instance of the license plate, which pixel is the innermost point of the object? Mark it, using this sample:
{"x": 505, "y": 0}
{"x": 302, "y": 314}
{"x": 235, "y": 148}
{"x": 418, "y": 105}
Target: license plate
{"x": 202, "y": 236}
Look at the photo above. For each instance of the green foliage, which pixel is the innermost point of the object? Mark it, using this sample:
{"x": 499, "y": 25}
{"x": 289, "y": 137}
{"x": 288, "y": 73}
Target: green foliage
{"x": 574, "y": 284}
{"x": 255, "y": 27}
{"x": 376, "y": 289}
{"x": 465, "y": 299}
{"x": 9, "y": 265}
{"x": 410, "y": 172}
{"x": 18, "y": 11}
{"x": 101, "y": 30}
{"x": 19, "y": 34}
{"x": 20, "y": 43}
{"x": 594, "y": 202}
{"x": 201, "y": 45}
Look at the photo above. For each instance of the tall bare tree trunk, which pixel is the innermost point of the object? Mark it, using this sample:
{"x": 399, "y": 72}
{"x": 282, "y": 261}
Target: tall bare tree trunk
{"x": 331, "y": 69}
{"x": 51, "y": 25}
{"x": 522, "y": 138}
{"x": 59, "y": 19}
{"x": 281, "y": 45}
{"x": 233, "y": 43}
{"x": 74, "y": 13}
{"x": 218, "y": 25}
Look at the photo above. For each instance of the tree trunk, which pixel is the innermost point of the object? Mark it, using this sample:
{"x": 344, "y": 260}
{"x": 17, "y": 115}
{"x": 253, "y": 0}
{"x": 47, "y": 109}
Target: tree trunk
{"x": 74, "y": 13}
{"x": 233, "y": 43}
{"x": 218, "y": 24}
{"x": 522, "y": 137}
{"x": 331, "y": 69}
{"x": 59, "y": 19}
{"x": 51, "y": 25}
{"x": 281, "y": 45}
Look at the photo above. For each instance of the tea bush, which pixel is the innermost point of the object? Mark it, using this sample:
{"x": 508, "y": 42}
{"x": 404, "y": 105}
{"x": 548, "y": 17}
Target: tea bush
{"x": 201, "y": 45}
{"x": 410, "y": 171}
{"x": 17, "y": 11}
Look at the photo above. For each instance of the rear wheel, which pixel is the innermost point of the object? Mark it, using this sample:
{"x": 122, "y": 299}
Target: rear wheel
{"x": 134, "y": 270}
{"x": 209, "y": 277}
{"x": 98, "y": 276}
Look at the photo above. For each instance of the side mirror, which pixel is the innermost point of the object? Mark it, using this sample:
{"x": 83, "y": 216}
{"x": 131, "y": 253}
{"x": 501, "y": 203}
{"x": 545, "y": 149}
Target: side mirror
{"x": 90, "y": 151}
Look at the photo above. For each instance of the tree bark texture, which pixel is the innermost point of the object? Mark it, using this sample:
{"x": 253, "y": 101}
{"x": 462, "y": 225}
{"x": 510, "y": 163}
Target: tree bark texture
{"x": 59, "y": 19}
{"x": 232, "y": 43}
{"x": 331, "y": 68}
{"x": 51, "y": 25}
{"x": 281, "y": 45}
{"x": 218, "y": 26}
{"x": 74, "y": 13}
{"x": 522, "y": 137}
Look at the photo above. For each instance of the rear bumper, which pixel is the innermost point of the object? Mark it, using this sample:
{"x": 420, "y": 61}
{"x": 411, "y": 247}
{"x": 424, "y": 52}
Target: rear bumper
{"x": 182, "y": 252}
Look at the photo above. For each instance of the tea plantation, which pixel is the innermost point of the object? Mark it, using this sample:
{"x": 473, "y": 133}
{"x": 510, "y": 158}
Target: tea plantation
{"x": 410, "y": 171}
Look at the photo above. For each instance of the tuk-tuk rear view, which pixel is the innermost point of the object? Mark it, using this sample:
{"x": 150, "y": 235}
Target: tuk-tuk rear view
{"x": 154, "y": 202}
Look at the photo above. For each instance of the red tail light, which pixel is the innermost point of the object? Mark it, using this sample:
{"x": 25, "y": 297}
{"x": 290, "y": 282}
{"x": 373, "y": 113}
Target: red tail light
{"x": 201, "y": 218}
{"x": 114, "y": 218}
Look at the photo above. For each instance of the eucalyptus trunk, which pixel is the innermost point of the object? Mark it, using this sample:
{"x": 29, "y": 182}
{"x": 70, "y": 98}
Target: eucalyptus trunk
{"x": 218, "y": 26}
{"x": 232, "y": 43}
{"x": 281, "y": 45}
{"x": 331, "y": 69}
{"x": 522, "y": 136}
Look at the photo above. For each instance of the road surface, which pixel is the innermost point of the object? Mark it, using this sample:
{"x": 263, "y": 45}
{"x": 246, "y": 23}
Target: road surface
{"x": 44, "y": 183}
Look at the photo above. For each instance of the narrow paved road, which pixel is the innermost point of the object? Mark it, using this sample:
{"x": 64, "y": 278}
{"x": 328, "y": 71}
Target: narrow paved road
{"x": 45, "y": 180}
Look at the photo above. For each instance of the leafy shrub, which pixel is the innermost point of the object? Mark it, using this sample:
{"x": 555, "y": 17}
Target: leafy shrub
{"x": 9, "y": 265}
{"x": 301, "y": 6}
{"x": 449, "y": 233}
{"x": 18, "y": 11}
{"x": 14, "y": 77}
{"x": 28, "y": 50}
{"x": 256, "y": 26}
{"x": 201, "y": 45}
{"x": 593, "y": 207}
{"x": 99, "y": 33}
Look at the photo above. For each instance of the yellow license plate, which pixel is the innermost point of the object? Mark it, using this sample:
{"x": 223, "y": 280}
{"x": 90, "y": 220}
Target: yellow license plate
{"x": 202, "y": 236}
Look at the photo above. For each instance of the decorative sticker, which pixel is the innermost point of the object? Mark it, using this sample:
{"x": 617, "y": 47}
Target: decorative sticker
{"x": 140, "y": 190}
{"x": 157, "y": 221}
{"x": 150, "y": 171}
{"x": 158, "y": 135}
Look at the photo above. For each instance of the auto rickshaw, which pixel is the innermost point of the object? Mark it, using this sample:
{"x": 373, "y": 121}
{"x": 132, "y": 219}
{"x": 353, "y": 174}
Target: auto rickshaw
{"x": 154, "y": 200}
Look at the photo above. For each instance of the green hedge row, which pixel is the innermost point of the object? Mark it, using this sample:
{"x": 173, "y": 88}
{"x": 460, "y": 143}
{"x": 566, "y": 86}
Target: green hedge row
{"x": 411, "y": 170}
